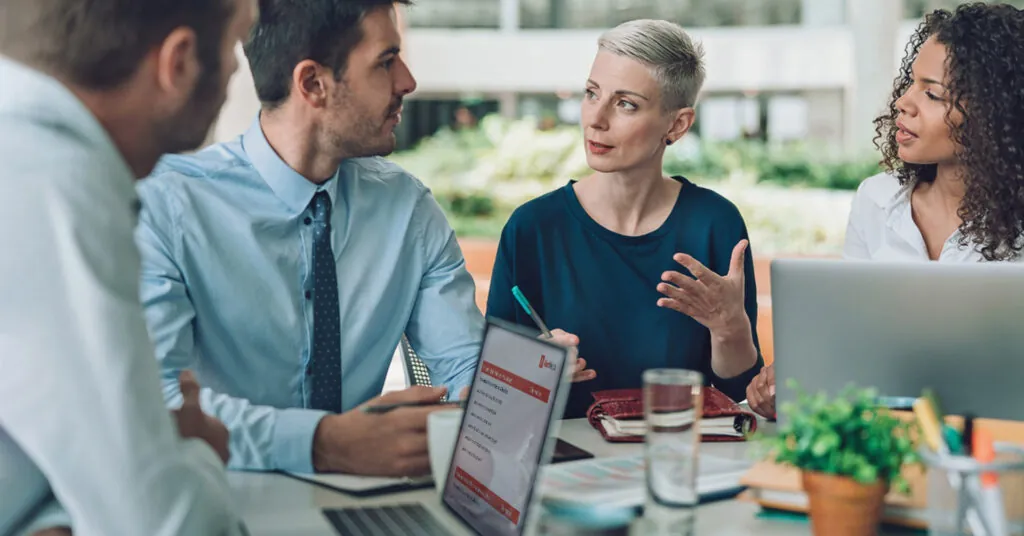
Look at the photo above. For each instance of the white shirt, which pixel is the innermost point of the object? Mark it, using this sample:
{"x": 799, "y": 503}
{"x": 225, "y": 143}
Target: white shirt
{"x": 882, "y": 227}
{"x": 80, "y": 404}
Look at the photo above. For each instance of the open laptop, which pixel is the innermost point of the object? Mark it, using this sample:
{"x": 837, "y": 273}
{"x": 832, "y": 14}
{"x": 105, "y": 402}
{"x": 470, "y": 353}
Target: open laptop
{"x": 508, "y": 431}
{"x": 901, "y": 327}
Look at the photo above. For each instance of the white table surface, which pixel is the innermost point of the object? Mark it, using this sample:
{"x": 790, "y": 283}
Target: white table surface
{"x": 277, "y": 505}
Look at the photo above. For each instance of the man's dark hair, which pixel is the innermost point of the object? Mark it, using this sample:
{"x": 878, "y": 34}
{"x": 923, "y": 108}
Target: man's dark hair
{"x": 99, "y": 44}
{"x": 292, "y": 31}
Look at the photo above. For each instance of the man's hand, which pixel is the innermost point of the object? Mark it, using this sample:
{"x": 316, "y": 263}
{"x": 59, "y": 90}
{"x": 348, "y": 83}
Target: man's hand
{"x": 580, "y": 371}
{"x": 382, "y": 444}
{"x": 57, "y": 531}
{"x": 193, "y": 423}
{"x": 761, "y": 393}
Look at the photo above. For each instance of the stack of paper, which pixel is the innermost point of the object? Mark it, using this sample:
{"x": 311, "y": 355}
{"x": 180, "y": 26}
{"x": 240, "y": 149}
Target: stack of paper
{"x": 619, "y": 481}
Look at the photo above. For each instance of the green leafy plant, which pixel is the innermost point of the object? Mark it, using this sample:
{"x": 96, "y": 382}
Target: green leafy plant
{"x": 810, "y": 167}
{"x": 849, "y": 435}
{"x": 472, "y": 204}
{"x": 787, "y": 192}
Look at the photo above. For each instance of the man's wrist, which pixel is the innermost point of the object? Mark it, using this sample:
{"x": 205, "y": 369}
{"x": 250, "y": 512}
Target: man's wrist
{"x": 320, "y": 442}
{"x": 54, "y": 531}
{"x": 329, "y": 448}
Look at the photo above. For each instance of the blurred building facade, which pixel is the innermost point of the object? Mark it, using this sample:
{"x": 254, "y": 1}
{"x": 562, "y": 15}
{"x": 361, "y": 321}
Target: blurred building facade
{"x": 778, "y": 70}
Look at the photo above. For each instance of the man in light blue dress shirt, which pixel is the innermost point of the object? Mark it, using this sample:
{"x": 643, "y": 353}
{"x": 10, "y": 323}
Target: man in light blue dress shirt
{"x": 285, "y": 265}
{"x": 89, "y": 100}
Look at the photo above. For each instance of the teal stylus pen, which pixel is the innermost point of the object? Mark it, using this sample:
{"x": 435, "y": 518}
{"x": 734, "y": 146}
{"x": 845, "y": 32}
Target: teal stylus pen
{"x": 525, "y": 304}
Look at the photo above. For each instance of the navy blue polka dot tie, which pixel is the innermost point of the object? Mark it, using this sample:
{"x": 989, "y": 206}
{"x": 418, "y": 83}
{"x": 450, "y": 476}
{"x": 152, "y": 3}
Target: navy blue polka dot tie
{"x": 325, "y": 360}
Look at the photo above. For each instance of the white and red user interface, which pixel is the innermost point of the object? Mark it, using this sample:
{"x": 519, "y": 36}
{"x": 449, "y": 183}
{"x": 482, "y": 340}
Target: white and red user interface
{"x": 498, "y": 451}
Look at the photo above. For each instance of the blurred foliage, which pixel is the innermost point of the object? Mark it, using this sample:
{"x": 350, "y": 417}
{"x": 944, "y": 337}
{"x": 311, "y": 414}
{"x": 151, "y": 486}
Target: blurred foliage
{"x": 796, "y": 167}
{"x": 502, "y": 151}
{"x": 497, "y": 152}
{"x": 474, "y": 205}
{"x": 467, "y": 226}
{"x": 795, "y": 197}
{"x": 793, "y": 164}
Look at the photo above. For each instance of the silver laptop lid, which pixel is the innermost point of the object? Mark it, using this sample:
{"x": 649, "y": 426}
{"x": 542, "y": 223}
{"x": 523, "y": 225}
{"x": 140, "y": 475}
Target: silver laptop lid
{"x": 901, "y": 327}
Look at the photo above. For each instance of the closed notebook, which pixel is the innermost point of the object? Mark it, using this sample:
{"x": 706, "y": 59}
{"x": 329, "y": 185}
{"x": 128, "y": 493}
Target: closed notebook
{"x": 618, "y": 414}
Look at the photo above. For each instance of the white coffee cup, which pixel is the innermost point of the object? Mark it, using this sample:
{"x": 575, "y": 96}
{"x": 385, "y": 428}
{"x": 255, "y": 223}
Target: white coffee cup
{"x": 442, "y": 431}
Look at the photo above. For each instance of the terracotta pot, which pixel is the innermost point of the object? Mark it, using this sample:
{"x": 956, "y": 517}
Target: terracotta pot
{"x": 841, "y": 506}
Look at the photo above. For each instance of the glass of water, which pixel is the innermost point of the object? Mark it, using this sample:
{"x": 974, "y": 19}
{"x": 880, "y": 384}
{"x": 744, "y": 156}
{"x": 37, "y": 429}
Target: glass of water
{"x": 673, "y": 401}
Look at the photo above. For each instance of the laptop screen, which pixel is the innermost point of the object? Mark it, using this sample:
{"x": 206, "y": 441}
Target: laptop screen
{"x": 501, "y": 440}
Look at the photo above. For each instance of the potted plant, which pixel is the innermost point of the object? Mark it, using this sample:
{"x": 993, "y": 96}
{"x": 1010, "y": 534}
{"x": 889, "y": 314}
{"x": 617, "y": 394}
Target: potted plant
{"x": 850, "y": 452}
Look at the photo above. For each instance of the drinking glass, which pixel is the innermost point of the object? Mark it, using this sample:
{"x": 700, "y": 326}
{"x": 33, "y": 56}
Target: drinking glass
{"x": 672, "y": 410}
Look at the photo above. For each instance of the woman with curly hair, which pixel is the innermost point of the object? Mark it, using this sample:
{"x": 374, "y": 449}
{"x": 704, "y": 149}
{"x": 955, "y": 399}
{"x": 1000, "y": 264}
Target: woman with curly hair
{"x": 952, "y": 143}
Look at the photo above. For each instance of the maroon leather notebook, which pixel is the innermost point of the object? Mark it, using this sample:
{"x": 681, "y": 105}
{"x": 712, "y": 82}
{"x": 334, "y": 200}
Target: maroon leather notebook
{"x": 618, "y": 414}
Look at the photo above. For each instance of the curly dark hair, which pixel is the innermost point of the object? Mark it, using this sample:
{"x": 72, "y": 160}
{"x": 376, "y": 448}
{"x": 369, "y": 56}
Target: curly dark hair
{"x": 985, "y": 62}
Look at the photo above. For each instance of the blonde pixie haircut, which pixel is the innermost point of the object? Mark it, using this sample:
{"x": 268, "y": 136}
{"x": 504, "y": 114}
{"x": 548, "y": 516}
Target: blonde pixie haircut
{"x": 675, "y": 60}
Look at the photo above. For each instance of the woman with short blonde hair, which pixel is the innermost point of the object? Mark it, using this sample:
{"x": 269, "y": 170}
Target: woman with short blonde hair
{"x": 647, "y": 270}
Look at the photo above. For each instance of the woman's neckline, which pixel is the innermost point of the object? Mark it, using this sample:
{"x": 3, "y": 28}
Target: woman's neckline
{"x": 577, "y": 209}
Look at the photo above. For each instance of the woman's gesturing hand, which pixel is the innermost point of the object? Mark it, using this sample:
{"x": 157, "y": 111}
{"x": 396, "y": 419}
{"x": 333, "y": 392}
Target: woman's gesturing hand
{"x": 713, "y": 300}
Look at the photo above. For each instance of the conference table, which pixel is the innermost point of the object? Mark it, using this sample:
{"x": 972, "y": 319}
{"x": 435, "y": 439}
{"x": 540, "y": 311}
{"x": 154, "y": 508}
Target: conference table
{"x": 277, "y": 505}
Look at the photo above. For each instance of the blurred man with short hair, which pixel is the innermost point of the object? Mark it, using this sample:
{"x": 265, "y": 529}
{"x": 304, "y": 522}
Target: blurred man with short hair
{"x": 93, "y": 93}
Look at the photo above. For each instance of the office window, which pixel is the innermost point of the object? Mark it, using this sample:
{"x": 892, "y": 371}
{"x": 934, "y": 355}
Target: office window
{"x": 689, "y": 13}
{"x": 788, "y": 118}
{"x": 730, "y": 117}
{"x": 550, "y": 109}
{"x": 454, "y": 14}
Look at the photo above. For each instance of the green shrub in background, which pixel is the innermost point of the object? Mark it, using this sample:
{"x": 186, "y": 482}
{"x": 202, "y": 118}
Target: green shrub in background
{"x": 700, "y": 162}
{"x": 501, "y": 151}
{"x": 467, "y": 204}
{"x": 797, "y": 166}
{"x": 474, "y": 214}
{"x": 794, "y": 164}
{"x": 446, "y": 156}
{"x": 480, "y": 175}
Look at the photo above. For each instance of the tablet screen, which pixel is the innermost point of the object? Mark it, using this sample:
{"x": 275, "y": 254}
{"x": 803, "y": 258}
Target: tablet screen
{"x": 497, "y": 454}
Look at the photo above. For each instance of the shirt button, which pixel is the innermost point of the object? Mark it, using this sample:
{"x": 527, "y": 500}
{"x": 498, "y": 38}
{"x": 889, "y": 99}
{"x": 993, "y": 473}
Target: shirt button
{"x": 309, "y": 295}
{"x": 309, "y": 372}
{"x": 308, "y": 220}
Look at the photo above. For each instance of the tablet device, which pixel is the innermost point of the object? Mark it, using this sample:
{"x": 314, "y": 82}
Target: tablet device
{"x": 508, "y": 430}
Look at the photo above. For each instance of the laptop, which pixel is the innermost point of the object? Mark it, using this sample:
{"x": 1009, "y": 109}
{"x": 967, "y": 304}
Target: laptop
{"x": 901, "y": 327}
{"x": 508, "y": 432}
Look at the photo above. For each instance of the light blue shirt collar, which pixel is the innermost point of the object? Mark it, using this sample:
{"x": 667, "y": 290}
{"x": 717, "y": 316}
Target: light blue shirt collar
{"x": 288, "y": 185}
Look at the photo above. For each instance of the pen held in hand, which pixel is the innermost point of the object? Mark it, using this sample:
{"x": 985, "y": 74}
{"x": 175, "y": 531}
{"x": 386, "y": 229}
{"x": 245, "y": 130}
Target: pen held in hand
{"x": 525, "y": 304}
{"x": 384, "y": 408}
